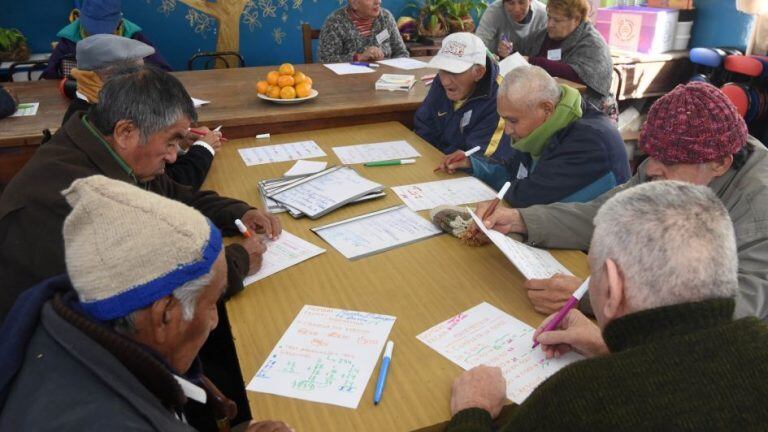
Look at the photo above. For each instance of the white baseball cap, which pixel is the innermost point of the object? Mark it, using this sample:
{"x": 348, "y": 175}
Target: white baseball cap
{"x": 459, "y": 52}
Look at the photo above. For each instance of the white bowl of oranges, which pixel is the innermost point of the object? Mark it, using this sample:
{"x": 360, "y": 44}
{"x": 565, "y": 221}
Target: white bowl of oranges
{"x": 286, "y": 86}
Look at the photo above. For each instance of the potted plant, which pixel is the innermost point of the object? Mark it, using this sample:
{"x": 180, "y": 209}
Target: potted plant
{"x": 431, "y": 21}
{"x": 13, "y": 45}
{"x": 459, "y": 15}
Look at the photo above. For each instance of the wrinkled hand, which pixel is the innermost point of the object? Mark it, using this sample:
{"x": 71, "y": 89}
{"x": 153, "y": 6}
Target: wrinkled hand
{"x": 269, "y": 426}
{"x": 480, "y": 387}
{"x": 504, "y": 49}
{"x": 454, "y": 161}
{"x": 549, "y": 295}
{"x": 262, "y": 222}
{"x": 255, "y": 247}
{"x": 372, "y": 53}
{"x": 574, "y": 333}
{"x": 503, "y": 220}
{"x": 212, "y": 138}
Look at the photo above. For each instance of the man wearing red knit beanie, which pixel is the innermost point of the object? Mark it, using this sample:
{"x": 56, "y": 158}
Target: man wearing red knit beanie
{"x": 692, "y": 134}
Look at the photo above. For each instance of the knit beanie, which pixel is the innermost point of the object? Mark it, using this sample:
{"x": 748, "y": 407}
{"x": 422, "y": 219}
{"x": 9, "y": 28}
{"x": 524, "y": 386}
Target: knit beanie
{"x": 126, "y": 248}
{"x": 694, "y": 123}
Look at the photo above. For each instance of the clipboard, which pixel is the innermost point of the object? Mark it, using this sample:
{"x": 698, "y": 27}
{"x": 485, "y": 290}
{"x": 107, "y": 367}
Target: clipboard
{"x": 307, "y": 196}
{"x": 429, "y": 231}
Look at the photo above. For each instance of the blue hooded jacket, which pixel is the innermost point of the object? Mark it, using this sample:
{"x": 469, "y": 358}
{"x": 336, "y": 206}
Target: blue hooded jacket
{"x": 581, "y": 161}
{"x": 475, "y": 123}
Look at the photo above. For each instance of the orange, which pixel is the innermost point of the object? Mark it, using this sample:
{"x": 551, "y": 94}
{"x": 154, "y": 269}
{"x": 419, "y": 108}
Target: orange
{"x": 273, "y": 92}
{"x": 262, "y": 87}
{"x": 299, "y": 77}
{"x": 272, "y": 77}
{"x": 288, "y": 92}
{"x": 285, "y": 81}
{"x": 286, "y": 69}
{"x": 308, "y": 80}
{"x": 303, "y": 90}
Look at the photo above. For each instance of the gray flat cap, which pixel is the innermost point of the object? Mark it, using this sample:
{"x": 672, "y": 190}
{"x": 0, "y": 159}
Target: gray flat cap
{"x": 101, "y": 50}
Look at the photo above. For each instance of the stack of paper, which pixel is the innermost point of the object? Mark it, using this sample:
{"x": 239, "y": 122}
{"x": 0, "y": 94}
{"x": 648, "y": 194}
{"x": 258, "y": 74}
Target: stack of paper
{"x": 318, "y": 194}
{"x": 484, "y": 335}
{"x": 404, "y": 63}
{"x": 326, "y": 355}
{"x": 393, "y": 82}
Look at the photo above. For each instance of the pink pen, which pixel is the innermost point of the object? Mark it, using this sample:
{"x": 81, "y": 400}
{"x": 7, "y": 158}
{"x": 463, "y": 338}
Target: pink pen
{"x": 573, "y": 301}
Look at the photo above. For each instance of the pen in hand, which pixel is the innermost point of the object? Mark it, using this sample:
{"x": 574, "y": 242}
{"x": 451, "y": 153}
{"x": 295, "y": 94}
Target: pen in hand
{"x": 570, "y": 304}
{"x": 242, "y": 228}
{"x": 457, "y": 157}
{"x": 492, "y": 208}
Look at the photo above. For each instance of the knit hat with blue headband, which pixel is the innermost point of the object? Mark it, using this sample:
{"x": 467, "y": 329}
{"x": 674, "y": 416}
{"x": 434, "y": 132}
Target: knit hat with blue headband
{"x": 126, "y": 248}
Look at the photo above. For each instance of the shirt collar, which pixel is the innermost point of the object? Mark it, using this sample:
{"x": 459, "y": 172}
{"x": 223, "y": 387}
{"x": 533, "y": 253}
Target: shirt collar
{"x": 128, "y": 170}
{"x": 191, "y": 391}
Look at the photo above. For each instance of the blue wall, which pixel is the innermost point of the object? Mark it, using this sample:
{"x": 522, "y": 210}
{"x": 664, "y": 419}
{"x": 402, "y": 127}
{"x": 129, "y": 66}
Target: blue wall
{"x": 275, "y": 35}
{"x": 718, "y": 23}
{"x": 273, "y": 38}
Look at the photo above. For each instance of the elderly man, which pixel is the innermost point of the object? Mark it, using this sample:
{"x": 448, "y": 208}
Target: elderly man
{"x": 666, "y": 353}
{"x": 566, "y": 150}
{"x": 98, "y": 57}
{"x": 121, "y": 348}
{"x": 96, "y": 17}
{"x": 130, "y": 135}
{"x": 459, "y": 112}
{"x": 692, "y": 134}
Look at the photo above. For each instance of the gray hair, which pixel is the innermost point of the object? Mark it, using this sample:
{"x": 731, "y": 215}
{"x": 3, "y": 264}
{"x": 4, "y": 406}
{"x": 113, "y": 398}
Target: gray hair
{"x": 186, "y": 294}
{"x": 150, "y": 98}
{"x": 530, "y": 85}
{"x": 673, "y": 241}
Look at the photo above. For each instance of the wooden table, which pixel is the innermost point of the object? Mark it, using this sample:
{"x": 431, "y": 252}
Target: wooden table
{"x": 342, "y": 101}
{"x": 421, "y": 284}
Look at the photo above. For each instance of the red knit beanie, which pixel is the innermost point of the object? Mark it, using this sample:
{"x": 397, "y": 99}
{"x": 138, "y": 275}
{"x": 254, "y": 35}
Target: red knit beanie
{"x": 694, "y": 123}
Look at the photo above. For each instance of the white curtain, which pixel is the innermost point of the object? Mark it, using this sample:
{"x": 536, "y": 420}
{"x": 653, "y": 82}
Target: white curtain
{"x": 759, "y": 42}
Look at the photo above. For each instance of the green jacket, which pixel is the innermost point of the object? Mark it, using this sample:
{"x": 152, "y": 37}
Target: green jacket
{"x": 682, "y": 367}
{"x": 744, "y": 193}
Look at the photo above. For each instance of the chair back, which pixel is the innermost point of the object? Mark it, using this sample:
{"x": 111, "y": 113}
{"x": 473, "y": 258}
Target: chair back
{"x": 33, "y": 70}
{"x": 308, "y": 34}
{"x": 227, "y": 59}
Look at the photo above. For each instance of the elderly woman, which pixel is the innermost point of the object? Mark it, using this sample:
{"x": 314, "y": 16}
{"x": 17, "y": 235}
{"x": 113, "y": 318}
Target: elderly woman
{"x": 507, "y": 22}
{"x": 571, "y": 48}
{"x": 362, "y": 31}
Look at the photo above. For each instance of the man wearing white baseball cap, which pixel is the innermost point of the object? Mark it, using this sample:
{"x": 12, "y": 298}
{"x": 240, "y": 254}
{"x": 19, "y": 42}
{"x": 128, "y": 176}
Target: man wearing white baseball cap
{"x": 459, "y": 112}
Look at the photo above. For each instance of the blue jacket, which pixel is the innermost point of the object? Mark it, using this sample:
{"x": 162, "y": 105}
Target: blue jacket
{"x": 581, "y": 161}
{"x": 439, "y": 124}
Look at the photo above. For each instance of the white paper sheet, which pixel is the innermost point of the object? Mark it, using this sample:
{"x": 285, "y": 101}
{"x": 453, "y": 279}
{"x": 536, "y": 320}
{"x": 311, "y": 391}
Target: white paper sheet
{"x": 485, "y": 335}
{"x": 404, "y": 63}
{"x": 326, "y": 355}
{"x": 511, "y": 62}
{"x": 26, "y": 109}
{"x": 362, "y": 153}
{"x": 532, "y": 262}
{"x": 426, "y": 196}
{"x": 288, "y": 250}
{"x": 348, "y": 69}
{"x": 377, "y": 232}
{"x": 199, "y": 102}
{"x": 305, "y": 167}
{"x": 280, "y": 153}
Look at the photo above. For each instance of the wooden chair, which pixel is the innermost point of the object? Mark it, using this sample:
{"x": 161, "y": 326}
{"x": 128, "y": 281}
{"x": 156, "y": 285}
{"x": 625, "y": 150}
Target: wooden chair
{"x": 214, "y": 58}
{"x": 308, "y": 34}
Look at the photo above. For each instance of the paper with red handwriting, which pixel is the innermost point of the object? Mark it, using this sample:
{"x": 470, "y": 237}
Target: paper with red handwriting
{"x": 327, "y": 355}
{"x": 485, "y": 335}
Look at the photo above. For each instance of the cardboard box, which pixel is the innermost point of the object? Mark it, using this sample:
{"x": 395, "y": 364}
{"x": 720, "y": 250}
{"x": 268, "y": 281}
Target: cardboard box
{"x": 671, "y": 4}
{"x": 638, "y": 29}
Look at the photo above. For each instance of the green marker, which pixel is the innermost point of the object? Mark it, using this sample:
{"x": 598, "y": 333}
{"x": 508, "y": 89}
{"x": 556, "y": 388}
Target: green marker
{"x": 25, "y": 106}
{"x": 391, "y": 162}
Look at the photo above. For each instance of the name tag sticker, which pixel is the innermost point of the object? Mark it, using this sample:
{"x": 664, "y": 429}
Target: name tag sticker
{"x": 555, "y": 54}
{"x": 381, "y": 37}
{"x": 522, "y": 172}
{"x": 465, "y": 119}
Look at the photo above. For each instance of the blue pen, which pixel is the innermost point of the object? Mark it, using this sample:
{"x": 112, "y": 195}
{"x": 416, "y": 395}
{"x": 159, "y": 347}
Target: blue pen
{"x": 370, "y": 65}
{"x": 383, "y": 372}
